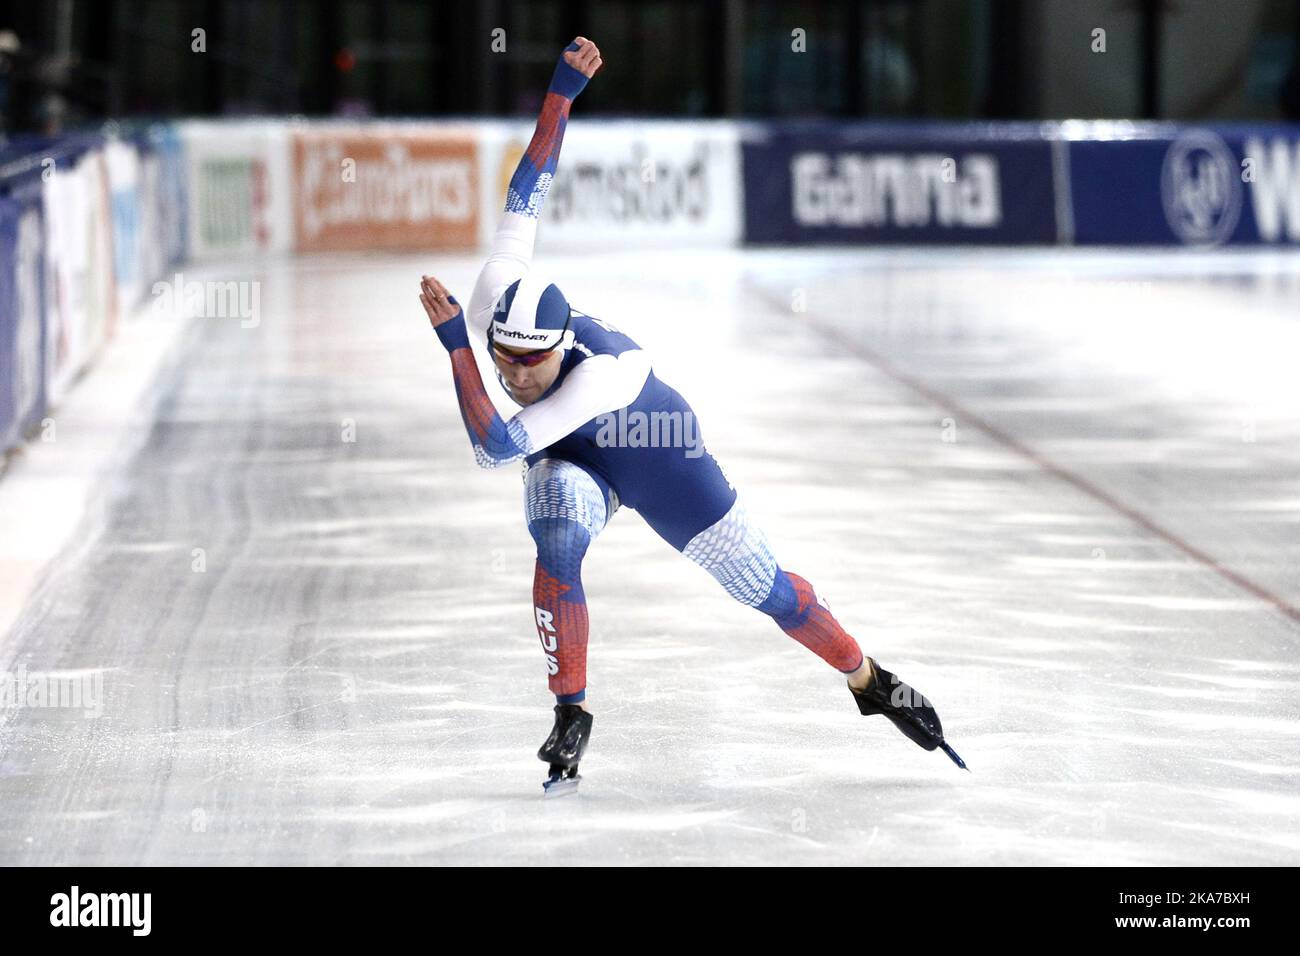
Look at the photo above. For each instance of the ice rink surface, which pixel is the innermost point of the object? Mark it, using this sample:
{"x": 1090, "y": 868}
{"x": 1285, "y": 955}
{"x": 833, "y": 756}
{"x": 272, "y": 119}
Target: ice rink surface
{"x": 1059, "y": 493}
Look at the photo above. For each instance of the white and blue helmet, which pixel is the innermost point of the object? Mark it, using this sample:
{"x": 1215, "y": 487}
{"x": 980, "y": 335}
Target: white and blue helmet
{"x": 532, "y": 313}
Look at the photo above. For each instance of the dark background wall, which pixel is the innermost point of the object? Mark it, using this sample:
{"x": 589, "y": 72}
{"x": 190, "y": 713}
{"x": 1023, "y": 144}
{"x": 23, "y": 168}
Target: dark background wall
{"x": 64, "y": 62}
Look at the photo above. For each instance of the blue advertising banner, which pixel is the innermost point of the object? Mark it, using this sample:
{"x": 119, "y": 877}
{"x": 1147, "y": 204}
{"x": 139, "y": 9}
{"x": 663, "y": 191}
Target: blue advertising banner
{"x": 1070, "y": 182}
{"x": 900, "y": 183}
{"x": 1164, "y": 184}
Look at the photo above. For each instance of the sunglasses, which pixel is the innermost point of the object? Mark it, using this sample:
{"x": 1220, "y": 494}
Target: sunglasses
{"x": 528, "y": 358}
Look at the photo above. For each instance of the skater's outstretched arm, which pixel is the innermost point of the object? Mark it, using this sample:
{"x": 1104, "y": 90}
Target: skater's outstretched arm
{"x": 601, "y": 384}
{"x": 496, "y": 442}
{"x": 512, "y": 246}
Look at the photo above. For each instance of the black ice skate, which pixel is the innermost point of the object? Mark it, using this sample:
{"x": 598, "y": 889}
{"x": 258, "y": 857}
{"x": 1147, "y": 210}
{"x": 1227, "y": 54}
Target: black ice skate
{"x": 564, "y": 748}
{"x": 907, "y": 708}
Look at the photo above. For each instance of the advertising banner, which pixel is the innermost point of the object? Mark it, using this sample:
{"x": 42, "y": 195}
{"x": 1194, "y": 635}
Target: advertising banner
{"x": 382, "y": 187}
{"x": 81, "y": 306}
{"x": 1163, "y": 184}
{"x": 239, "y": 188}
{"x": 22, "y": 371}
{"x": 869, "y": 184}
{"x": 122, "y": 166}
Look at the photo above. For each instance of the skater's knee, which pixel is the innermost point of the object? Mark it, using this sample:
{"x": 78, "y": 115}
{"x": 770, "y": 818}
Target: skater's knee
{"x": 559, "y": 538}
{"x": 556, "y": 488}
{"x": 737, "y": 554}
{"x": 789, "y": 601}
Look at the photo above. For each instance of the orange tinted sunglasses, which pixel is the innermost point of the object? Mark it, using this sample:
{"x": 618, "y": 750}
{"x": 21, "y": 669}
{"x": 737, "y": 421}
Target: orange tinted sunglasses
{"x": 528, "y": 358}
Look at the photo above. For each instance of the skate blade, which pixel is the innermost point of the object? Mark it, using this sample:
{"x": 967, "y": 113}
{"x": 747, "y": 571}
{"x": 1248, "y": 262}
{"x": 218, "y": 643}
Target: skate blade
{"x": 955, "y": 759}
{"x": 560, "y": 786}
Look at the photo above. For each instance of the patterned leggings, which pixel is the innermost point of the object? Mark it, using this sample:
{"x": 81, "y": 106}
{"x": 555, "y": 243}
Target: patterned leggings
{"x": 567, "y": 506}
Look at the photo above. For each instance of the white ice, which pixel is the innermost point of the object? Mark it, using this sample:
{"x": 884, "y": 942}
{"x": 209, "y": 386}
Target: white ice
{"x": 1058, "y": 492}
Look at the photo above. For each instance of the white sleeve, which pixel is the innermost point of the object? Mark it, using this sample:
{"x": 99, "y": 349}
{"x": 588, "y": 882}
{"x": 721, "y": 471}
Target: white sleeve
{"x": 602, "y": 383}
{"x": 511, "y": 255}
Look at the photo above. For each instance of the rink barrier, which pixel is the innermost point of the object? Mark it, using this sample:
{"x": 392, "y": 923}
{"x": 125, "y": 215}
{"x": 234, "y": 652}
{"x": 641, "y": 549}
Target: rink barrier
{"x": 87, "y": 222}
{"x": 868, "y": 184}
{"x": 394, "y": 186}
{"x": 1169, "y": 185}
{"x": 1067, "y": 183}
{"x": 641, "y": 184}
{"x": 22, "y": 267}
{"x": 90, "y": 221}
{"x": 279, "y": 186}
{"x": 313, "y": 186}
{"x": 238, "y": 187}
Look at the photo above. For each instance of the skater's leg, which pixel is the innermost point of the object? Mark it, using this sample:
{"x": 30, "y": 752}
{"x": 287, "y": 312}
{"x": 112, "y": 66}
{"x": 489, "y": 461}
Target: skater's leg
{"x": 566, "y": 507}
{"x": 696, "y": 510}
{"x": 737, "y": 554}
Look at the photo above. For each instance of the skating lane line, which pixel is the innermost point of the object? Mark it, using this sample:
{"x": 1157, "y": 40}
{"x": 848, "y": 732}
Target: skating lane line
{"x": 936, "y": 397}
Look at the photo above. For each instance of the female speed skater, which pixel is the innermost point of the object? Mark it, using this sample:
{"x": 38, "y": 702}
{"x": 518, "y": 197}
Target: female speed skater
{"x": 569, "y": 371}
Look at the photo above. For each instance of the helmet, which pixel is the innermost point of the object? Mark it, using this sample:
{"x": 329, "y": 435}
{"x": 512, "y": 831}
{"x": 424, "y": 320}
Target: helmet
{"x": 532, "y": 313}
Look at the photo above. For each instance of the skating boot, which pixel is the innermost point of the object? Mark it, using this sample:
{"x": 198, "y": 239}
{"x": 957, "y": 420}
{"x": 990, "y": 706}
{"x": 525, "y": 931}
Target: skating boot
{"x": 907, "y": 708}
{"x": 564, "y": 748}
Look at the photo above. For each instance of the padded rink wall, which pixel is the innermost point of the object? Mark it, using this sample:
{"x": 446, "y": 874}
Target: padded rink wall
{"x": 86, "y": 223}
{"x": 1067, "y": 183}
{"x": 89, "y": 222}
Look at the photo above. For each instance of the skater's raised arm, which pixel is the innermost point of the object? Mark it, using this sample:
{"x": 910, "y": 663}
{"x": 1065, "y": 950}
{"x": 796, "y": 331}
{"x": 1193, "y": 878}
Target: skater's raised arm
{"x": 512, "y": 246}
